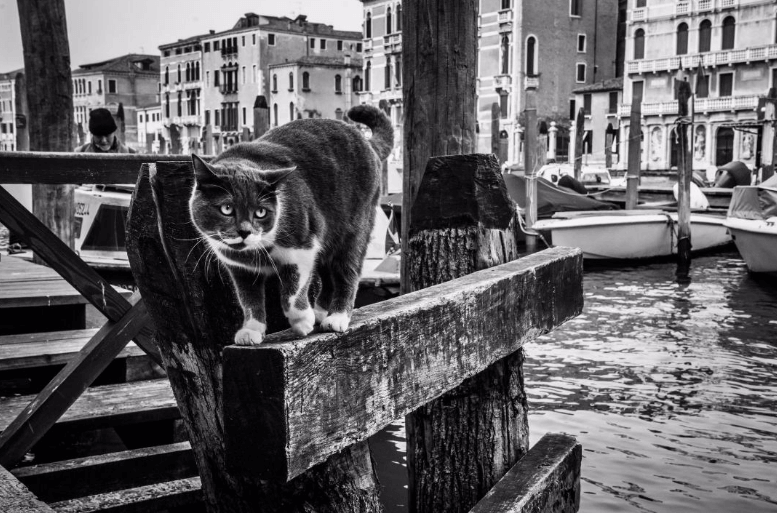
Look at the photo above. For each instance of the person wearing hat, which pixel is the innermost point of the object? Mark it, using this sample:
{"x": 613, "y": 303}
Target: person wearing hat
{"x": 103, "y": 130}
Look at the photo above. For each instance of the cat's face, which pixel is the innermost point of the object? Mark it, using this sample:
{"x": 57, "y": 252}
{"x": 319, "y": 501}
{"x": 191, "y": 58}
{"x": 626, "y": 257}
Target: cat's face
{"x": 235, "y": 208}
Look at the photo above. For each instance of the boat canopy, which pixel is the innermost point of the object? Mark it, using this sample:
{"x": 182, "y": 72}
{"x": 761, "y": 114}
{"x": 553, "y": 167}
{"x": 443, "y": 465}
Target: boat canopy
{"x": 754, "y": 202}
{"x": 551, "y": 199}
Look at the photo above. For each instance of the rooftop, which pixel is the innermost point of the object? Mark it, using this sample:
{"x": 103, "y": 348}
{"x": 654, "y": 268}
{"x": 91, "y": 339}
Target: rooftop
{"x": 284, "y": 24}
{"x": 612, "y": 84}
{"x": 139, "y": 63}
{"x": 314, "y": 60}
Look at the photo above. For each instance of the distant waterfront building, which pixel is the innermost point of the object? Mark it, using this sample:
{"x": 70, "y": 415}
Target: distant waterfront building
{"x": 121, "y": 85}
{"x": 601, "y": 110}
{"x": 553, "y": 47}
{"x": 726, "y": 49}
{"x": 313, "y": 87}
{"x": 13, "y": 112}
{"x": 150, "y": 136}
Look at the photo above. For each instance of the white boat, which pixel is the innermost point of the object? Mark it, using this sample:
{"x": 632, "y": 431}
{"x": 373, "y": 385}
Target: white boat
{"x": 630, "y": 234}
{"x": 752, "y": 221}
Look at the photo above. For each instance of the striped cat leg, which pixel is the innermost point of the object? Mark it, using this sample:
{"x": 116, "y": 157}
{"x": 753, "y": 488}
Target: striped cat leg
{"x": 249, "y": 286}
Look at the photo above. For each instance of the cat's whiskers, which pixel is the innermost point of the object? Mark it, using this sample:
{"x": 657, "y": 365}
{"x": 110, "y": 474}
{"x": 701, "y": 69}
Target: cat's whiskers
{"x": 199, "y": 240}
{"x": 272, "y": 263}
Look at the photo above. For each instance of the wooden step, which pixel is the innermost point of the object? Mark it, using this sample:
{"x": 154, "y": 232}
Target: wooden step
{"x": 95, "y": 475}
{"x": 30, "y": 350}
{"x": 143, "y": 499}
{"x": 107, "y": 405}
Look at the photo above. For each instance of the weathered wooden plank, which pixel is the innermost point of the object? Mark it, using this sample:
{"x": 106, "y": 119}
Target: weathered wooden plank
{"x": 64, "y": 480}
{"x": 289, "y": 404}
{"x": 107, "y": 405}
{"x": 83, "y": 278}
{"x": 68, "y": 384}
{"x": 16, "y": 498}
{"x": 75, "y": 168}
{"x": 546, "y": 480}
{"x": 155, "y": 497}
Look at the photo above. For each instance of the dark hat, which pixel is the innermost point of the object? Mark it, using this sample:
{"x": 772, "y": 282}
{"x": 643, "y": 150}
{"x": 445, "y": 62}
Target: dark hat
{"x": 101, "y": 122}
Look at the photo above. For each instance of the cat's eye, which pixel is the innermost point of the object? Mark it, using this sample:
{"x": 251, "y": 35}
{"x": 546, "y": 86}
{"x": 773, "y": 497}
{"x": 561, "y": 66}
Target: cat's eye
{"x": 262, "y": 212}
{"x": 227, "y": 209}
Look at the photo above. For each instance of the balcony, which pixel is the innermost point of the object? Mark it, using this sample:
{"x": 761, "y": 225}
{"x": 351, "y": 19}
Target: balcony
{"x": 701, "y": 106}
{"x": 686, "y": 8}
{"x": 689, "y": 62}
{"x": 505, "y": 18}
{"x": 367, "y": 45}
{"x": 392, "y": 43}
{"x": 504, "y": 82}
{"x": 531, "y": 83}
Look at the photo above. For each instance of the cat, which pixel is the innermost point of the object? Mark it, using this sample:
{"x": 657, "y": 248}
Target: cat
{"x": 298, "y": 202}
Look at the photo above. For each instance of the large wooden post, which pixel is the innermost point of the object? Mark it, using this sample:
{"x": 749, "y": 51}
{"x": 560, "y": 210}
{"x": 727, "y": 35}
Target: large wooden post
{"x": 50, "y": 103}
{"x": 439, "y": 58}
{"x": 196, "y": 314}
{"x": 685, "y": 171}
{"x": 634, "y": 163}
{"x": 579, "y": 134}
{"x": 461, "y": 444}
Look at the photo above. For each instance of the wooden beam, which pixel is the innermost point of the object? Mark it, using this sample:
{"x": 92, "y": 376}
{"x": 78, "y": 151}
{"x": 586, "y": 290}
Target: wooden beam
{"x": 64, "y": 480}
{"x": 168, "y": 495}
{"x": 75, "y": 168}
{"x": 83, "y": 278}
{"x": 289, "y": 404}
{"x": 68, "y": 385}
{"x": 16, "y": 498}
{"x": 546, "y": 480}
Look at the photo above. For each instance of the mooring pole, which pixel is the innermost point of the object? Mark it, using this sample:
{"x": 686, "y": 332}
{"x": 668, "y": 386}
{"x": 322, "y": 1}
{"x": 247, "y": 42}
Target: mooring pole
{"x": 530, "y": 164}
{"x": 579, "y": 134}
{"x": 685, "y": 170}
{"x": 635, "y": 136}
{"x": 50, "y": 102}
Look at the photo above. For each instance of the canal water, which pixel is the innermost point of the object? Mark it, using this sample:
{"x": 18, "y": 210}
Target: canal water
{"x": 670, "y": 387}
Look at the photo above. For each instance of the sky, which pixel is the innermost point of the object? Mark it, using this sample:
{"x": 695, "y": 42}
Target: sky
{"x": 102, "y": 29}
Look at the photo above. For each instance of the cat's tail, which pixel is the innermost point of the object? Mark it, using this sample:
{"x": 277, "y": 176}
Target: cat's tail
{"x": 382, "y": 139}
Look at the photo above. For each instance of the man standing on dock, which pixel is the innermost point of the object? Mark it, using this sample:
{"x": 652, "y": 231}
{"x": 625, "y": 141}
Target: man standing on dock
{"x": 103, "y": 129}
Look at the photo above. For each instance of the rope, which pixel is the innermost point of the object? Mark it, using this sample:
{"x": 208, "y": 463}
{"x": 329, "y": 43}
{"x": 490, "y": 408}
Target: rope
{"x": 533, "y": 233}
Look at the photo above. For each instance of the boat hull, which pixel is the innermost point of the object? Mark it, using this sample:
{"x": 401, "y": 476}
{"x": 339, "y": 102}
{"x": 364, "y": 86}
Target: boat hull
{"x": 632, "y": 235}
{"x": 756, "y": 240}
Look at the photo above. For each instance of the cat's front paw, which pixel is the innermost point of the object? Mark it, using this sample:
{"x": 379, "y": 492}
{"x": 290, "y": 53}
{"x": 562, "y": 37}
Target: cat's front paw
{"x": 320, "y": 313}
{"x": 336, "y": 322}
{"x": 251, "y": 334}
{"x": 302, "y": 324}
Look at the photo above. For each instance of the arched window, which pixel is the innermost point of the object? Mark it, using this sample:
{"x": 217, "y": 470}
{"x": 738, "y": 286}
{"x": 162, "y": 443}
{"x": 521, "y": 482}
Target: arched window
{"x": 639, "y": 44}
{"x": 388, "y": 20}
{"x": 188, "y": 72}
{"x": 275, "y": 83}
{"x": 505, "y": 53}
{"x": 387, "y": 75}
{"x": 197, "y": 71}
{"x": 399, "y": 18}
{"x": 531, "y": 56}
{"x": 368, "y": 26}
{"x": 368, "y": 76}
{"x": 705, "y": 36}
{"x": 357, "y": 84}
{"x": 291, "y": 111}
{"x": 179, "y": 73}
{"x": 167, "y": 105}
{"x": 291, "y": 81}
{"x": 682, "y": 39}
{"x": 275, "y": 114}
{"x": 729, "y": 29}
{"x": 306, "y": 81}
{"x": 338, "y": 84}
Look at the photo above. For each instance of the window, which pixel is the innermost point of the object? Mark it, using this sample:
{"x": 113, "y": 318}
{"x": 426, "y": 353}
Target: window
{"x": 291, "y": 111}
{"x": 388, "y": 20}
{"x": 505, "y": 55}
{"x": 167, "y": 75}
{"x": 682, "y": 39}
{"x": 253, "y": 39}
{"x": 244, "y": 74}
{"x": 506, "y": 4}
{"x": 702, "y": 86}
{"x": 774, "y": 77}
{"x": 368, "y": 76}
{"x": 207, "y": 117}
{"x": 291, "y": 81}
{"x": 271, "y": 39}
{"x": 244, "y": 116}
{"x": 140, "y": 118}
{"x": 387, "y": 74}
{"x": 99, "y": 86}
{"x": 216, "y": 78}
{"x": 729, "y": 28}
{"x": 338, "y": 84}
{"x": 243, "y": 41}
{"x": 207, "y": 78}
{"x": 581, "y": 43}
{"x": 639, "y": 44}
{"x": 197, "y": 71}
{"x": 275, "y": 114}
{"x": 188, "y": 73}
{"x": 167, "y": 105}
{"x": 503, "y": 104}
{"x": 254, "y": 76}
{"x": 216, "y": 48}
{"x": 587, "y": 104}
{"x": 357, "y": 83}
{"x": 275, "y": 83}
{"x": 179, "y": 106}
{"x": 217, "y": 117}
{"x": 705, "y": 36}
{"x": 368, "y": 26}
{"x": 89, "y": 85}
{"x": 179, "y": 75}
{"x": 580, "y": 74}
{"x": 399, "y": 19}
{"x": 339, "y": 46}
{"x": 323, "y": 44}
{"x": 312, "y": 42}
{"x": 531, "y": 57}
{"x": 167, "y": 53}
{"x": 306, "y": 81}
{"x": 637, "y": 88}
{"x": 613, "y": 103}
{"x": 576, "y": 7}
{"x": 398, "y": 69}
{"x": 725, "y": 84}
{"x": 358, "y": 47}
{"x": 111, "y": 85}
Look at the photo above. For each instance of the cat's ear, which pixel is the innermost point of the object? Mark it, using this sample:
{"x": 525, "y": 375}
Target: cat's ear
{"x": 276, "y": 176}
{"x": 202, "y": 171}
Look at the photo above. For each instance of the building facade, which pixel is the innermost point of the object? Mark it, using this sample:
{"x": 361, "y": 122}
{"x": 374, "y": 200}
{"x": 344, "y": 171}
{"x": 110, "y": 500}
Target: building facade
{"x": 150, "y": 135}
{"x": 13, "y": 112}
{"x": 180, "y": 92}
{"x": 726, "y": 49}
{"x": 121, "y": 85}
{"x": 601, "y": 112}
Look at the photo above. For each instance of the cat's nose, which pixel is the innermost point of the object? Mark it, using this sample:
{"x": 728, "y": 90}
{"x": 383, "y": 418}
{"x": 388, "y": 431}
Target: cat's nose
{"x": 244, "y": 233}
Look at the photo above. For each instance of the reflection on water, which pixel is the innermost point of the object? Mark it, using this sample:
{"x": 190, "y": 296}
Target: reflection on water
{"x": 671, "y": 389}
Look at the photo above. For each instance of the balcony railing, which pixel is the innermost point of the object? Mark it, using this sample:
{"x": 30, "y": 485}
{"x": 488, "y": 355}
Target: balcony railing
{"x": 392, "y": 43}
{"x": 701, "y": 105}
{"x": 686, "y": 8}
{"x": 505, "y": 15}
{"x": 502, "y": 82}
{"x": 747, "y": 55}
{"x": 531, "y": 83}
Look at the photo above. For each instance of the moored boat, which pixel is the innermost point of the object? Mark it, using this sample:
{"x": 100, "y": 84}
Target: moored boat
{"x": 752, "y": 221}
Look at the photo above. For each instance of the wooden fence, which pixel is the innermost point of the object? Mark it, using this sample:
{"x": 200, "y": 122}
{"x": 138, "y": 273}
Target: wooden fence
{"x": 284, "y": 425}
